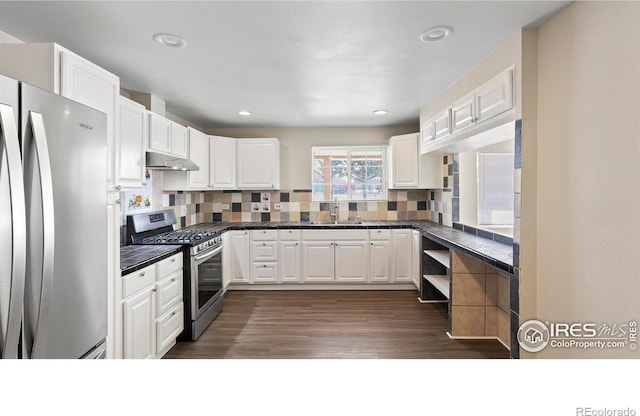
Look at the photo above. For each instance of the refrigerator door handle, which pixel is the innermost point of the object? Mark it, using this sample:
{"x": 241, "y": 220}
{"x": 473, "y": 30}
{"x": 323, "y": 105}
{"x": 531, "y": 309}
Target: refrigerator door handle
{"x": 11, "y": 144}
{"x": 48, "y": 223}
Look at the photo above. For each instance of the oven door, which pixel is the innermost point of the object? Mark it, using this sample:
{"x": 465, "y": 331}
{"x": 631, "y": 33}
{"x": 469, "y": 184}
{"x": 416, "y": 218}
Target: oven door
{"x": 206, "y": 280}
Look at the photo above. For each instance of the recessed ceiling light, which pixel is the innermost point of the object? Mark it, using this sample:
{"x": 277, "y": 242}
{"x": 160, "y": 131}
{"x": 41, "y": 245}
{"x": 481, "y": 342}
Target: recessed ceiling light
{"x": 380, "y": 112}
{"x": 169, "y": 40}
{"x": 244, "y": 113}
{"x": 436, "y": 34}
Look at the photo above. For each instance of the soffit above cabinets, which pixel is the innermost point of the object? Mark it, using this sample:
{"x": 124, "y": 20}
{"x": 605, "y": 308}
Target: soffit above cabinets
{"x": 291, "y": 63}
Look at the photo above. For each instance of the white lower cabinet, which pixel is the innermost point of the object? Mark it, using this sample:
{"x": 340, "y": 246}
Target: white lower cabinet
{"x": 289, "y": 261}
{"x": 239, "y": 259}
{"x": 379, "y": 256}
{"x": 417, "y": 256}
{"x": 139, "y": 328}
{"x": 402, "y": 266}
{"x": 317, "y": 261}
{"x": 153, "y": 311}
{"x": 351, "y": 259}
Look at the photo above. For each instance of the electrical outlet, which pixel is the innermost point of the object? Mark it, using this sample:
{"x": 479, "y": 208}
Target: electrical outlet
{"x": 276, "y": 206}
{"x": 225, "y": 206}
{"x": 183, "y": 210}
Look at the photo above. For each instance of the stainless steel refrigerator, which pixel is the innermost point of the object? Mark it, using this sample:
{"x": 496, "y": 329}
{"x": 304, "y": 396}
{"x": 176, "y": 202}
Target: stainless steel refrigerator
{"x": 53, "y": 225}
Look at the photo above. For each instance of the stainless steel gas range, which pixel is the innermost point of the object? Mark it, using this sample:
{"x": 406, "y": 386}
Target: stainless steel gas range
{"x": 202, "y": 270}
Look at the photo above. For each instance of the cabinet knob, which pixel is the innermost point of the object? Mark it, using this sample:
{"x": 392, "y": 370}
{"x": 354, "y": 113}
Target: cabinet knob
{"x": 264, "y": 265}
{"x": 173, "y": 280}
{"x": 173, "y": 260}
{"x": 142, "y": 274}
{"x": 264, "y": 231}
{"x": 117, "y": 202}
{"x": 371, "y": 243}
{"x": 246, "y": 232}
{"x": 173, "y": 313}
{"x": 289, "y": 231}
{"x": 118, "y": 188}
{"x": 296, "y": 243}
{"x": 154, "y": 289}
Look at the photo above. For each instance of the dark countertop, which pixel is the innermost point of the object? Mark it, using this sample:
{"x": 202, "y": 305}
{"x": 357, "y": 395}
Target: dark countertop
{"x": 134, "y": 258}
{"x": 495, "y": 253}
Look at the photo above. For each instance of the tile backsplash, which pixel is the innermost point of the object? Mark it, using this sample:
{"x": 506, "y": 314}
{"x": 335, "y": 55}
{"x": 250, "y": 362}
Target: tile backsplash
{"x": 296, "y": 205}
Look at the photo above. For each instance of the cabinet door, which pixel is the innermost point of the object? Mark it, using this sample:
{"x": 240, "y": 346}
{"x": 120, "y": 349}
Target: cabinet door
{"x": 404, "y": 161}
{"x": 199, "y": 154}
{"x": 222, "y": 173}
{"x": 179, "y": 140}
{"x": 317, "y": 261}
{"x": 134, "y": 131}
{"x": 351, "y": 261}
{"x": 442, "y": 125}
{"x": 463, "y": 113}
{"x": 427, "y": 133}
{"x": 379, "y": 261}
{"x": 239, "y": 259}
{"x": 289, "y": 261}
{"x": 91, "y": 85}
{"x": 401, "y": 263}
{"x": 114, "y": 285}
{"x": 258, "y": 164}
{"x": 159, "y": 133}
{"x": 417, "y": 256}
{"x": 139, "y": 325}
{"x": 495, "y": 97}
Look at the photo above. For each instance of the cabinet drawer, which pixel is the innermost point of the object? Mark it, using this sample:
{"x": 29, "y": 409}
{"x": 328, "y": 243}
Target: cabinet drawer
{"x": 168, "y": 327}
{"x": 169, "y": 265}
{"x": 286, "y": 235}
{"x": 264, "y": 251}
{"x": 332, "y": 235}
{"x": 264, "y": 273}
{"x": 264, "y": 235}
{"x": 169, "y": 292}
{"x": 381, "y": 234}
{"x": 136, "y": 281}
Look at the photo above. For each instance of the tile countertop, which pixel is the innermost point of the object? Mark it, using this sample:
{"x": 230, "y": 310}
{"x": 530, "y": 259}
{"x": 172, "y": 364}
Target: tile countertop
{"x": 134, "y": 258}
{"x": 497, "y": 254}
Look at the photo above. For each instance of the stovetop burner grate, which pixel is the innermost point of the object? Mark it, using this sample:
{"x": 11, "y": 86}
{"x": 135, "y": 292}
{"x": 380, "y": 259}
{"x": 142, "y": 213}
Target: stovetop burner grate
{"x": 180, "y": 237}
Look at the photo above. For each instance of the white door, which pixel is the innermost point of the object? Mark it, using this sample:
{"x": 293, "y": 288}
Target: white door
{"x": 139, "y": 325}
{"x": 199, "y": 154}
{"x": 179, "y": 140}
{"x": 222, "y": 174}
{"x": 495, "y": 97}
{"x": 240, "y": 261}
{"x": 91, "y": 85}
{"x": 404, "y": 161}
{"x": 317, "y": 261}
{"x": 134, "y": 131}
{"x": 379, "y": 261}
{"x": 257, "y": 163}
{"x": 351, "y": 261}
{"x": 159, "y": 133}
{"x": 289, "y": 261}
{"x": 402, "y": 265}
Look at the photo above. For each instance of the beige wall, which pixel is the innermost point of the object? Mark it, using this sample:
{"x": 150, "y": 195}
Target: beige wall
{"x": 7, "y": 38}
{"x": 296, "y": 143}
{"x": 588, "y": 181}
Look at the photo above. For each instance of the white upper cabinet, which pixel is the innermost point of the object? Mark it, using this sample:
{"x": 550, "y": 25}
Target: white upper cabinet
{"x": 258, "y": 163}
{"x": 495, "y": 97}
{"x": 134, "y": 135}
{"x": 54, "y": 68}
{"x": 222, "y": 154}
{"x": 403, "y": 161}
{"x": 198, "y": 154}
{"x": 467, "y": 114}
{"x": 167, "y": 136}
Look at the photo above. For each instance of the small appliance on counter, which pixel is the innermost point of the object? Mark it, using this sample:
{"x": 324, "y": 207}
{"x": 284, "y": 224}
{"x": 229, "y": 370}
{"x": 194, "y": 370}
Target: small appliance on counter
{"x": 202, "y": 265}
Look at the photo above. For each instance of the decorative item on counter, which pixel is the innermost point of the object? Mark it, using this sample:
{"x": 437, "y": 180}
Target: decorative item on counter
{"x": 138, "y": 201}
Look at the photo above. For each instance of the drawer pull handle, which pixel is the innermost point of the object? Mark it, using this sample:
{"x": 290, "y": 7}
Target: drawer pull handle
{"x": 264, "y": 244}
{"x": 173, "y": 260}
{"x": 154, "y": 289}
{"x": 173, "y": 313}
{"x": 264, "y": 231}
{"x": 142, "y": 274}
{"x": 173, "y": 280}
{"x": 371, "y": 243}
{"x": 264, "y": 265}
{"x": 289, "y": 231}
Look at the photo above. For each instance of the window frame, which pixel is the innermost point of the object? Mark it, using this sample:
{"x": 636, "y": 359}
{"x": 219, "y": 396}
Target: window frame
{"x": 383, "y": 149}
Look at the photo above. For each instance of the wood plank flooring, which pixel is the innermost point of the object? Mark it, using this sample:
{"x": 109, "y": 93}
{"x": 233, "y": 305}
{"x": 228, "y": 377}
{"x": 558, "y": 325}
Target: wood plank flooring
{"x": 331, "y": 324}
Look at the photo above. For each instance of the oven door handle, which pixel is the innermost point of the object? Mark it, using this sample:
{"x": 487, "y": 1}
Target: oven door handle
{"x": 206, "y": 256}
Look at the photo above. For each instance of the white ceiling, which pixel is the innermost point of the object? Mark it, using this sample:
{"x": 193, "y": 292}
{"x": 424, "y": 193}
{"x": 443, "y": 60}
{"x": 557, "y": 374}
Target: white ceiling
{"x": 291, "y": 63}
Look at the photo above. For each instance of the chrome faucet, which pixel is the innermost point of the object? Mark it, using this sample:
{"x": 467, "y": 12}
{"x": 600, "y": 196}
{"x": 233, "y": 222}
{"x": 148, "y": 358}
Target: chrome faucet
{"x": 334, "y": 214}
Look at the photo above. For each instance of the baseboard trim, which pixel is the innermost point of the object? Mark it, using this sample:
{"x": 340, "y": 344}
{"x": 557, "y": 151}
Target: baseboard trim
{"x": 496, "y": 338}
{"x": 323, "y": 286}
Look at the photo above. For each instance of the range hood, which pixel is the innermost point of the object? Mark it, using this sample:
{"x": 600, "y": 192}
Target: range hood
{"x": 160, "y": 161}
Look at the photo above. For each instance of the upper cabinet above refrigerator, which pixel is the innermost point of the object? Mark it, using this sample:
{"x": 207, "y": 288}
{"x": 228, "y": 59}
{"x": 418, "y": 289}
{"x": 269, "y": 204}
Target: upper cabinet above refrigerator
{"x": 56, "y": 69}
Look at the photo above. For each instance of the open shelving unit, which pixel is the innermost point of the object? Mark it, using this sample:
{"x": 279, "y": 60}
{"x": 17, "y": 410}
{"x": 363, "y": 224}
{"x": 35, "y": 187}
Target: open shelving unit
{"x": 435, "y": 284}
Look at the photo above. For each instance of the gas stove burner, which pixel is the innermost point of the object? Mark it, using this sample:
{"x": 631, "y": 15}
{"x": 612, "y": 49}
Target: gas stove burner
{"x": 180, "y": 237}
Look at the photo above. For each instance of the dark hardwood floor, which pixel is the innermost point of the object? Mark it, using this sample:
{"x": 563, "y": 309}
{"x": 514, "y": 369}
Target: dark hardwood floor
{"x": 331, "y": 324}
